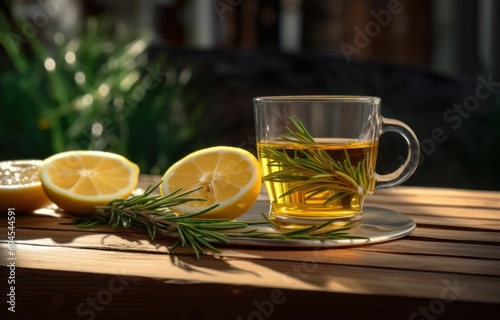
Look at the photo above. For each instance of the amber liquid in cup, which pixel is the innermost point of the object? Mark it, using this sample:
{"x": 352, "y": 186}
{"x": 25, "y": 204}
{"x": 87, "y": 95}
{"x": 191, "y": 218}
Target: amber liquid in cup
{"x": 303, "y": 204}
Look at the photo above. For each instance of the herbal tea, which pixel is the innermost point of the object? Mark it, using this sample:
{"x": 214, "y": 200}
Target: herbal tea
{"x": 314, "y": 176}
{"x": 324, "y": 181}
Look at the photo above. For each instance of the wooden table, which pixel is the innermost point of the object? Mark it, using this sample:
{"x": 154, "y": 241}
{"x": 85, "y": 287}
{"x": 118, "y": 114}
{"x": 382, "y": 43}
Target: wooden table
{"x": 448, "y": 268}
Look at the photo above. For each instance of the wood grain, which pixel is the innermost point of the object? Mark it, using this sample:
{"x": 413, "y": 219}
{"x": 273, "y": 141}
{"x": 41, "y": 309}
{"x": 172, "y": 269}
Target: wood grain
{"x": 454, "y": 252}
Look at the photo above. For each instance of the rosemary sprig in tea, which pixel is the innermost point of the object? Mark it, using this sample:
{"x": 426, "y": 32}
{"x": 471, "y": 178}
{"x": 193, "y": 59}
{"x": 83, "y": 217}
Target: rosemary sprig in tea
{"x": 152, "y": 214}
{"x": 313, "y": 170}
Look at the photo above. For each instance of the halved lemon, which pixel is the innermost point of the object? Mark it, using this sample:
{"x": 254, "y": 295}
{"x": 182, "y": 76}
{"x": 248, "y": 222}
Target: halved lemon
{"x": 20, "y": 188}
{"x": 78, "y": 181}
{"x": 229, "y": 176}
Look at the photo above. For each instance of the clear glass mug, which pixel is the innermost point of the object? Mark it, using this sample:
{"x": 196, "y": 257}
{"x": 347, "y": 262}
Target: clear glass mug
{"x": 318, "y": 155}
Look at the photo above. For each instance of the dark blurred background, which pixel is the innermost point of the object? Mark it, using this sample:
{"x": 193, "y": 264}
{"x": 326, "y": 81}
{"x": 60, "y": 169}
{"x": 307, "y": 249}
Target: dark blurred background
{"x": 156, "y": 79}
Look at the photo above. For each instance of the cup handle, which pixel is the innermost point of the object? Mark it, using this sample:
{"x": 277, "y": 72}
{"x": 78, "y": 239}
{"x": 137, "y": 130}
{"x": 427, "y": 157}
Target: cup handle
{"x": 411, "y": 163}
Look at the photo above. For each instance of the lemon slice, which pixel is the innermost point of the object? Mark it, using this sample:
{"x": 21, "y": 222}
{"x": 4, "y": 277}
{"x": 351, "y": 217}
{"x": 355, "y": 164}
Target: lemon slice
{"x": 231, "y": 178}
{"x": 80, "y": 180}
{"x": 20, "y": 188}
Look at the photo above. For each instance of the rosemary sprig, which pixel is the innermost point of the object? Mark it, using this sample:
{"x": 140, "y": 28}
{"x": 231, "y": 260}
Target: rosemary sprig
{"x": 311, "y": 169}
{"x": 152, "y": 214}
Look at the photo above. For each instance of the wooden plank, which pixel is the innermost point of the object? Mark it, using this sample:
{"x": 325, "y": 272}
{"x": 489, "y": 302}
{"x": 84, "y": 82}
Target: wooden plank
{"x": 465, "y": 202}
{"x": 433, "y": 210}
{"x": 457, "y": 235}
{"x": 444, "y": 249}
{"x": 375, "y": 255}
{"x": 371, "y": 257}
{"x": 456, "y": 223}
{"x": 430, "y": 192}
{"x": 304, "y": 275}
{"x": 44, "y": 222}
{"x": 131, "y": 240}
{"x": 421, "y": 215}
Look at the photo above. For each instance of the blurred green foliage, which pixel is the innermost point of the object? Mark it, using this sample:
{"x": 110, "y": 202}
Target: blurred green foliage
{"x": 96, "y": 91}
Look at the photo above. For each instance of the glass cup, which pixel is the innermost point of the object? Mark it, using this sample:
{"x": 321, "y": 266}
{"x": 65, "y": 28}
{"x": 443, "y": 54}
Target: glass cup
{"x": 318, "y": 155}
